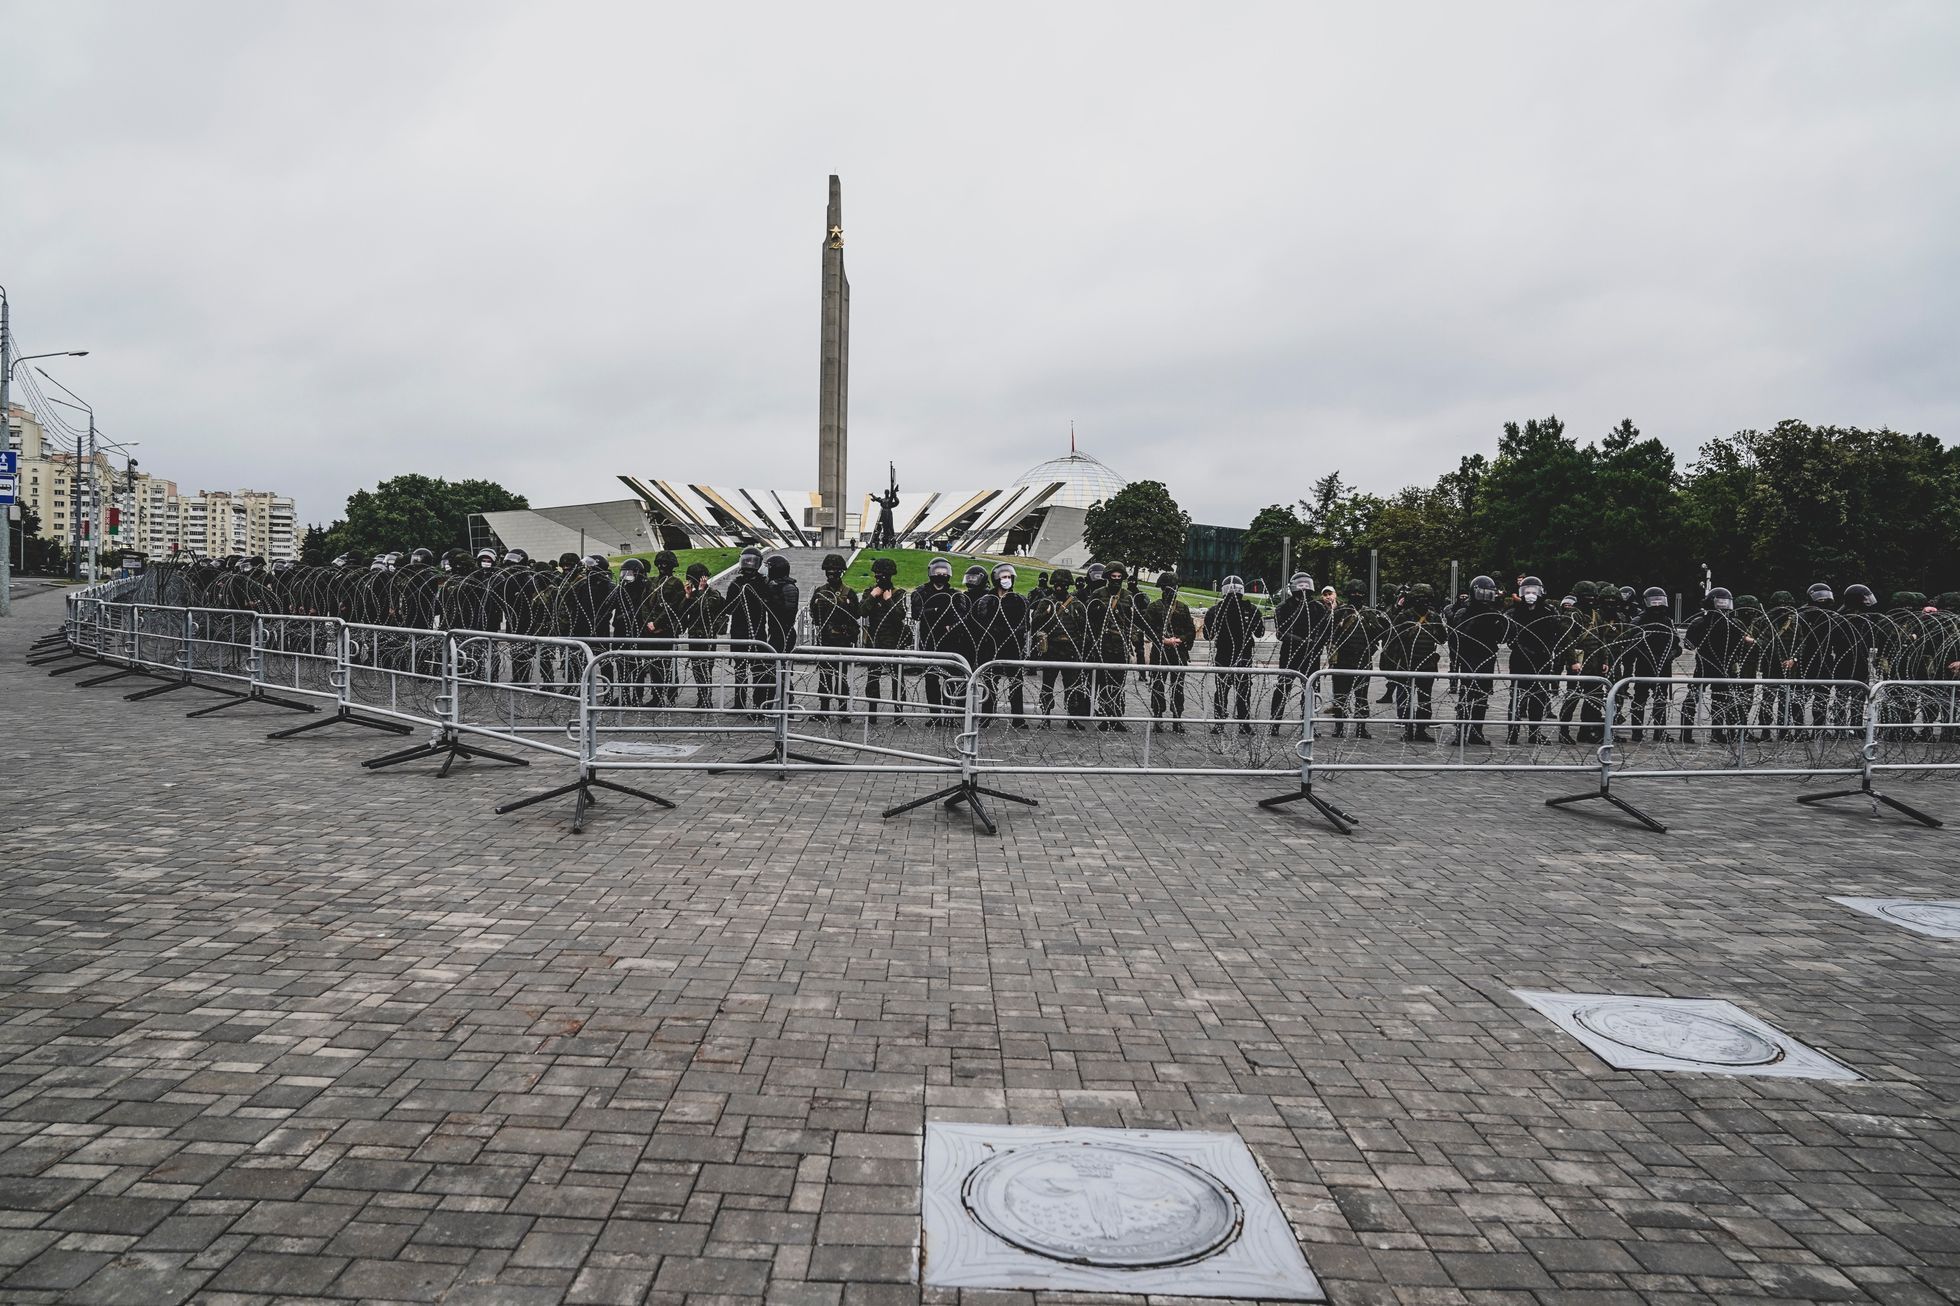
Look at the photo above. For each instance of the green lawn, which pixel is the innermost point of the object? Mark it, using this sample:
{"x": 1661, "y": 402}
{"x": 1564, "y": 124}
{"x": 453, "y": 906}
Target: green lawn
{"x": 911, "y": 572}
{"x": 716, "y": 560}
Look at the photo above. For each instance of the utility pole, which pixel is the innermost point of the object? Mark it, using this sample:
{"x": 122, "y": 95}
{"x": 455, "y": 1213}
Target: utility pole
{"x": 1285, "y": 560}
{"x": 94, "y": 507}
{"x": 1374, "y": 569}
{"x": 6, "y": 429}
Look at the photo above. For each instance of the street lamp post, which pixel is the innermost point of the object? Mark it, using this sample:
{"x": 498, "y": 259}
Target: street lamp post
{"x": 94, "y": 500}
{"x": 7, "y": 365}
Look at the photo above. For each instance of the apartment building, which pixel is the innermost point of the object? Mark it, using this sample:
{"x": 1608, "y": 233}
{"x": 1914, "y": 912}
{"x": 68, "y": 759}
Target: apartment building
{"x": 156, "y": 519}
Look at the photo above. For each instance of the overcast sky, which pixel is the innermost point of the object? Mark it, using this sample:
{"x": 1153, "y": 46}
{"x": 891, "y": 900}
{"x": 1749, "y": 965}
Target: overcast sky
{"x": 315, "y": 245}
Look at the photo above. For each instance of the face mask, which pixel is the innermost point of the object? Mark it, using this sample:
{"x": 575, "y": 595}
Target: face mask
{"x": 1006, "y": 582}
{"x": 1169, "y": 595}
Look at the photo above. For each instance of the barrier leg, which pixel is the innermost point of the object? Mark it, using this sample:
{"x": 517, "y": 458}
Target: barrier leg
{"x": 344, "y": 716}
{"x": 111, "y": 678}
{"x": 967, "y": 793}
{"x": 1603, "y": 795}
{"x": 449, "y": 748}
{"x": 1342, "y": 821}
{"x": 583, "y": 787}
{"x": 175, "y": 685}
{"x": 254, "y": 697}
{"x": 1866, "y": 791}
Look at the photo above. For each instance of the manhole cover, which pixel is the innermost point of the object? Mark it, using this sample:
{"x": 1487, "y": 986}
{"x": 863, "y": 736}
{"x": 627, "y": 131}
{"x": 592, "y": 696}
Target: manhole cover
{"x": 1102, "y": 1204}
{"x": 1942, "y": 916}
{"x": 1706, "y": 1035}
{"x": 1679, "y": 1034}
{"x": 1140, "y": 1212}
{"x": 1937, "y": 917}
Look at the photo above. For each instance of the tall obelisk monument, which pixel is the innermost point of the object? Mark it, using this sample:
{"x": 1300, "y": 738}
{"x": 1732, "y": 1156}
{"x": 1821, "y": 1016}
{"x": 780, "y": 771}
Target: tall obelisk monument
{"x": 834, "y": 379}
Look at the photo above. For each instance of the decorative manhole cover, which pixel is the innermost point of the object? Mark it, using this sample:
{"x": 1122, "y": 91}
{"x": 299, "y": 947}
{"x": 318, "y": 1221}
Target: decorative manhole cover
{"x": 1102, "y": 1204}
{"x": 1678, "y": 1034}
{"x": 1132, "y": 1211}
{"x": 1937, "y": 917}
{"x": 1630, "y": 1032}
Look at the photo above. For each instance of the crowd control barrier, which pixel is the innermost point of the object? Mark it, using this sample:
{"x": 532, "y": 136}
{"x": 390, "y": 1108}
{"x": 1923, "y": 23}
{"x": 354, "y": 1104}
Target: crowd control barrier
{"x": 624, "y": 707}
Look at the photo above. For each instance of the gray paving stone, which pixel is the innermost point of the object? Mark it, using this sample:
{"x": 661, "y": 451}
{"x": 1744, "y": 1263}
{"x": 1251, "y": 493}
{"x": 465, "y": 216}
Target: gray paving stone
{"x": 286, "y": 1027}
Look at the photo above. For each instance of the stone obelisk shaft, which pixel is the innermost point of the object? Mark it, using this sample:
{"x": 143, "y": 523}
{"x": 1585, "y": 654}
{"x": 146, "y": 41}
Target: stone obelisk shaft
{"x": 833, "y": 397}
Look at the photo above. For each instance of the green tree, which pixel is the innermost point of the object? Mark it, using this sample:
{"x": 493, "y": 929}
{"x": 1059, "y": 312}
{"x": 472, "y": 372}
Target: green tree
{"x": 313, "y": 547}
{"x": 1259, "y": 554}
{"x": 1637, "y": 533}
{"x": 1140, "y": 524}
{"x": 414, "y": 511}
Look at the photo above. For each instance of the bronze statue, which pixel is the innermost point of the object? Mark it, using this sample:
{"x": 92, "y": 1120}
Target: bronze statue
{"x": 886, "y": 536}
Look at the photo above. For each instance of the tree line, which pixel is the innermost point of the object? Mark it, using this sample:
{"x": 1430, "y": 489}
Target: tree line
{"x": 1765, "y": 510}
{"x": 407, "y": 512}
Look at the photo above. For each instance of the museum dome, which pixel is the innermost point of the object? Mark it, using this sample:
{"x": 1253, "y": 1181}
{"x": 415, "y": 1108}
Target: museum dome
{"x": 1085, "y": 480}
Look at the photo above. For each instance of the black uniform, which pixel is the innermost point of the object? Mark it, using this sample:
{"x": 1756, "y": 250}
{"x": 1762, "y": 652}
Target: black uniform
{"x": 1234, "y": 626}
{"x": 1478, "y": 627}
{"x": 1302, "y": 623}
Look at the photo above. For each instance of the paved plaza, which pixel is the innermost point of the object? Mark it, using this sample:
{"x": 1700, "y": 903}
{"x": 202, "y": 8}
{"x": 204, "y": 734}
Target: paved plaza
{"x": 276, "y": 1028}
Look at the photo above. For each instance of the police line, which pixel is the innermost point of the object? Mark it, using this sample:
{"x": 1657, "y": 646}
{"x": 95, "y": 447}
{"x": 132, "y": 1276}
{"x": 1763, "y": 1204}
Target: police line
{"x": 648, "y": 706}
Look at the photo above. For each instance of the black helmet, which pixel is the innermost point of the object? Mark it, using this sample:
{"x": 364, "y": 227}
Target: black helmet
{"x": 976, "y": 577}
{"x": 1061, "y": 578}
{"x": 486, "y": 557}
{"x": 594, "y": 562}
{"x": 1531, "y": 589}
{"x": 884, "y": 568}
{"x": 697, "y": 570}
{"x": 751, "y": 559}
{"x": 1483, "y": 589}
{"x": 1654, "y": 596}
{"x": 343, "y": 559}
{"x": 832, "y": 562}
{"x": 636, "y": 566}
{"x": 1820, "y": 593}
{"x": 1095, "y": 572}
{"x": 1721, "y": 599}
{"x": 778, "y": 566}
{"x": 567, "y": 561}
{"x": 665, "y": 561}
{"x": 1354, "y": 589}
{"x": 518, "y": 558}
{"x": 421, "y": 558}
{"x": 939, "y": 569}
{"x": 1860, "y": 596}
{"x": 1626, "y": 594}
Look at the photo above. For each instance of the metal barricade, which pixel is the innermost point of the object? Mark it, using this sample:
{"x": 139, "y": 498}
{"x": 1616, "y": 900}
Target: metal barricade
{"x": 398, "y": 673}
{"x": 1915, "y": 727}
{"x": 522, "y": 689}
{"x": 1495, "y": 721}
{"x": 1038, "y": 717}
{"x": 1803, "y": 727}
{"x": 300, "y": 655}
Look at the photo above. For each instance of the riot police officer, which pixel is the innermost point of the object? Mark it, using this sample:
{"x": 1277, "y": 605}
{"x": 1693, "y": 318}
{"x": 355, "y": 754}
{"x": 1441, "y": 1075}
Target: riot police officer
{"x": 1414, "y": 644}
{"x": 998, "y": 622}
{"x": 1719, "y": 641}
{"x": 1301, "y": 621}
{"x": 1650, "y": 648}
{"x": 1116, "y": 625}
{"x": 747, "y": 606}
{"x": 1060, "y": 625}
{"x": 1234, "y": 626}
{"x": 1539, "y": 635}
{"x": 1479, "y": 627}
{"x": 701, "y": 619}
{"x": 935, "y": 621}
{"x": 834, "y": 616}
{"x": 885, "y": 627}
{"x": 1354, "y": 631}
{"x": 1172, "y": 633}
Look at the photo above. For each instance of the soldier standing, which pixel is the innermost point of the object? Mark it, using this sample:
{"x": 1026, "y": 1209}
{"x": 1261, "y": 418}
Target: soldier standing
{"x": 1414, "y": 644}
{"x": 1061, "y": 634}
{"x": 834, "y": 615}
{"x": 1355, "y": 629}
{"x": 1172, "y": 633}
{"x": 885, "y": 627}
{"x": 1234, "y": 625}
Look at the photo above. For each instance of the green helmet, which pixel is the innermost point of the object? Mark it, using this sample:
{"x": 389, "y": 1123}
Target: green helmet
{"x": 1948, "y": 601}
{"x": 1908, "y": 599}
{"x": 1354, "y": 589}
{"x": 1783, "y": 599}
{"x": 1606, "y": 589}
{"x": 1748, "y": 601}
{"x": 1421, "y": 590}
{"x": 1585, "y": 589}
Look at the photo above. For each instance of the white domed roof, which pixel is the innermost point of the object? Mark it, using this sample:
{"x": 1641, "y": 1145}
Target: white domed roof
{"x": 1085, "y": 481}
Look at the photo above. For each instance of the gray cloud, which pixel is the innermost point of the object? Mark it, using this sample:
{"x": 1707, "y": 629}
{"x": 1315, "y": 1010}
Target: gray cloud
{"x": 313, "y": 246}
